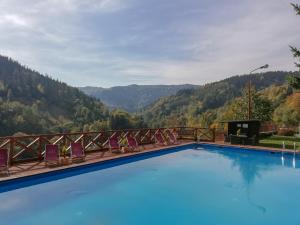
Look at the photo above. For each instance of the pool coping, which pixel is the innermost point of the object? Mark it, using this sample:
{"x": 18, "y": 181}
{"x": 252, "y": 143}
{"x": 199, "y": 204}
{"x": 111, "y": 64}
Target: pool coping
{"x": 250, "y": 147}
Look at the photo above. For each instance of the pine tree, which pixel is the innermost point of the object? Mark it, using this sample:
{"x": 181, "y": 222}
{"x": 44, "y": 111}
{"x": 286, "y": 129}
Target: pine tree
{"x": 295, "y": 51}
{"x": 294, "y": 80}
{"x": 296, "y": 7}
{"x": 296, "y": 54}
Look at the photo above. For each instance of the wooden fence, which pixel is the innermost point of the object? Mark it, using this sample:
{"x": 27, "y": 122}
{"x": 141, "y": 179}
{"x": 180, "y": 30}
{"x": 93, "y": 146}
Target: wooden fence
{"x": 31, "y": 147}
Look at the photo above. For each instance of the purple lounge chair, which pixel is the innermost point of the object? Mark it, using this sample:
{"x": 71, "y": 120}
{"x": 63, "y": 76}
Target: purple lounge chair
{"x": 4, "y": 167}
{"x": 159, "y": 139}
{"x": 132, "y": 142}
{"x": 172, "y": 137}
{"x": 77, "y": 152}
{"x": 51, "y": 154}
{"x": 114, "y": 143}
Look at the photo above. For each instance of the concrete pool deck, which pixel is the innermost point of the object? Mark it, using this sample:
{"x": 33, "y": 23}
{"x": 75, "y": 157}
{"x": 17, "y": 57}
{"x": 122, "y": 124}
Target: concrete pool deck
{"x": 38, "y": 167}
{"x": 257, "y": 148}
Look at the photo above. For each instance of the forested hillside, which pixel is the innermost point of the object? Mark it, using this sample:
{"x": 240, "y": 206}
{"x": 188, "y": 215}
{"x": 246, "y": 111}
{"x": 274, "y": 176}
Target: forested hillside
{"x": 33, "y": 103}
{"x": 133, "y": 98}
{"x": 209, "y": 103}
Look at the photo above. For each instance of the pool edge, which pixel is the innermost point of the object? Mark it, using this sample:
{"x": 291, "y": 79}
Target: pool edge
{"x": 109, "y": 162}
{"x": 154, "y": 151}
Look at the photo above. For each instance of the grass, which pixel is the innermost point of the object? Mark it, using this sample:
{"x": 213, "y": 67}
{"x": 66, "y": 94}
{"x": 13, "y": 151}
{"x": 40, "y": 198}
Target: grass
{"x": 275, "y": 141}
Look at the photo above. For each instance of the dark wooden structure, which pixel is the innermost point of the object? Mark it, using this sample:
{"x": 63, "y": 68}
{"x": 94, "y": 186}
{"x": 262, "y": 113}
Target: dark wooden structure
{"x": 243, "y": 132}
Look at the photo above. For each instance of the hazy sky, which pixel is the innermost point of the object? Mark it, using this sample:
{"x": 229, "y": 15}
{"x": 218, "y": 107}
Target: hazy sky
{"x": 119, "y": 42}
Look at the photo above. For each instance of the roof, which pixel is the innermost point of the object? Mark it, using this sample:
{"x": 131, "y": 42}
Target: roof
{"x": 240, "y": 121}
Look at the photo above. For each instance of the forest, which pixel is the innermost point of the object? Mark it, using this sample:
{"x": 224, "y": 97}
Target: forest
{"x": 273, "y": 99}
{"x": 32, "y": 103}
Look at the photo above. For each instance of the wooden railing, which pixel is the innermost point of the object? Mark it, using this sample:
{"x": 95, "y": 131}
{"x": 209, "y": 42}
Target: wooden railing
{"x": 31, "y": 147}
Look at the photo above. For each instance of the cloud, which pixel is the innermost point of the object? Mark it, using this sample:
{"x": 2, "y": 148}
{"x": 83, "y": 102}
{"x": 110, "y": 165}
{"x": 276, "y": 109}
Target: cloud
{"x": 58, "y": 6}
{"x": 79, "y": 5}
{"x": 114, "y": 42}
{"x": 14, "y": 20}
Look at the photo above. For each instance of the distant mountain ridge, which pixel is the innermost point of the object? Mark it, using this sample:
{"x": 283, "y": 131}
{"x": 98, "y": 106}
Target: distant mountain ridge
{"x": 133, "y": 98}
{"x": 33, "y": 103}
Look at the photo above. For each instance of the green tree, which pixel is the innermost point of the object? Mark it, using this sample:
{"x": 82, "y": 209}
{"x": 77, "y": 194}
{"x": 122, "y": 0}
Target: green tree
{"x": 296, "y": 7}
{"x": 207, "y": 118}
{"x": 238, "y": 108}
{"x": 286, "y": 116}
{"x": 97, "y": 126}
{"x": 288, "y": 113}
{"x": 294, "y": 80}
{"x": 262, "y": 108}
{"x": 120, "y": 119}
{"x": 32, "y": 103}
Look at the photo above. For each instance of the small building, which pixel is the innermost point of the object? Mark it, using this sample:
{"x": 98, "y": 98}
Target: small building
{"x": 244, "y": 132}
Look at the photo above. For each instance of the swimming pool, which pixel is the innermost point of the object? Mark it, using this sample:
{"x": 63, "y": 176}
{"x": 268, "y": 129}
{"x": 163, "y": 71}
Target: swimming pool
{"x": 209, "y": 185}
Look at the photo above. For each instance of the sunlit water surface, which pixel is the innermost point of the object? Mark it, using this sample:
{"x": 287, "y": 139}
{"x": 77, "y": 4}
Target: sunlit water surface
{"x": 211, "y": 186}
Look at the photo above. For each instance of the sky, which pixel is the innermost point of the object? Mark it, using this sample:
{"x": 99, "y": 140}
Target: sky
{"x": 120, "y": 42}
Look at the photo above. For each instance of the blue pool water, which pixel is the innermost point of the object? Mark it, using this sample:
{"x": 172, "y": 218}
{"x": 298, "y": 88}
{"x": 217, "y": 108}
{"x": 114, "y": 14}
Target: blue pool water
{"x": 209, "y": 186}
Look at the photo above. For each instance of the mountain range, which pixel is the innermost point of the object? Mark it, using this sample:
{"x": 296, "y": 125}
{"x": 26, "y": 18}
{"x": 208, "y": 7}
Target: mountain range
{"x": 133, "y": 98}
{"x": 34, "y": 103}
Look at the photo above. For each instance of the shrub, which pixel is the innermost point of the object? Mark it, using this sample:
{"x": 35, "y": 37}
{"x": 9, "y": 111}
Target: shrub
{"x": 286, "y": 132}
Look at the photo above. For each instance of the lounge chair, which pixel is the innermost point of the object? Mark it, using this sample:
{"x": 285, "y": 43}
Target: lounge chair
{"x": 51, "y": 154}
{"x": 159, "y": 139}
{"x": 4, "y": 167}
{"x": 77, "y": 152}
{"x": 113, "y": 143}
{"x": 132, "y": 142}
{"x": 172, "y": 137}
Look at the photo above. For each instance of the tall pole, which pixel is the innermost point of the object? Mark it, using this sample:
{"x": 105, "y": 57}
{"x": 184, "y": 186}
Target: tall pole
{"x": 249, "y": 100}
{"x": 249, "y": 91}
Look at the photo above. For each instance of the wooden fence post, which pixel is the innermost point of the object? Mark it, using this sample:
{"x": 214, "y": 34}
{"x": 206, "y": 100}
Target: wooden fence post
{"x": 40, "y": 149}
{"x": 214, "y": 134}
{"x": 84, "y": 141}
{"x": 11, "y": 149}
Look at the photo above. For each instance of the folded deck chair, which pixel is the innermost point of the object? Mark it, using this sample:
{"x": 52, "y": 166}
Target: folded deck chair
{"x": 172, "y": 137}
{"x": 113, "y": 143}
{"x": 4, "y": 167}
{"x": 159, "y": 139}
{"x": 132, "y": 142}
{"x": 51, "y": 154}
{"x": 77, "y": 152}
